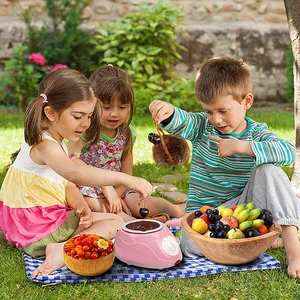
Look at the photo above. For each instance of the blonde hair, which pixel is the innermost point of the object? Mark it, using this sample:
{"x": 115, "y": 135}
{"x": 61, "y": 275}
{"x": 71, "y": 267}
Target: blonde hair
{"x": 222, "y": 76}
{"x": 62, "y": 88}
{"x": 111, "y": 83}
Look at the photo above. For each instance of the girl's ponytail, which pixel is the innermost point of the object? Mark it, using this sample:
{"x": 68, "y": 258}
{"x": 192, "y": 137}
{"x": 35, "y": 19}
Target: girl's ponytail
{"x": 33, "y": 121}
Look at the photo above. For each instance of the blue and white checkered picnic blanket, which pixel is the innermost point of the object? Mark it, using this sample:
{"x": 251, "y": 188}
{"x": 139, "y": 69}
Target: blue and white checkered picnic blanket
{"x": 121, "y": 272}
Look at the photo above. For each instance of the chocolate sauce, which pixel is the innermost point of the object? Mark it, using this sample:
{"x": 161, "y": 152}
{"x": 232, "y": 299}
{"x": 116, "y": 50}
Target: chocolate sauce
{"x": 142, "y": 225}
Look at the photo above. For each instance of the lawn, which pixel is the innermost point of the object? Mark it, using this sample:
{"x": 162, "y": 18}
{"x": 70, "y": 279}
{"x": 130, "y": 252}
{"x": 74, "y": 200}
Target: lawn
{"x": 241, "y": 285}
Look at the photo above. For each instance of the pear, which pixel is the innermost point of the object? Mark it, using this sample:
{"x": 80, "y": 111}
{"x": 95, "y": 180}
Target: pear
{"x": 235, "y": 233}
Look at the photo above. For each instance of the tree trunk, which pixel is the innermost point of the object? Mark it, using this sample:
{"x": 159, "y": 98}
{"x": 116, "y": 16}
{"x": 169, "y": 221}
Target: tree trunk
{"x": 292, "y": 8}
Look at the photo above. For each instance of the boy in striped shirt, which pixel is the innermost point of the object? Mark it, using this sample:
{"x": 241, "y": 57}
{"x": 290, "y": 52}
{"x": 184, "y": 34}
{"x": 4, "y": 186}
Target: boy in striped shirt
{"x": 235, "y": 159}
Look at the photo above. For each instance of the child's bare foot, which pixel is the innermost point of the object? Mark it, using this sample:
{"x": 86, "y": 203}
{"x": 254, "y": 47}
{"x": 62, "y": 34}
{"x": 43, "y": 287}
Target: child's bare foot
{"x": 162, "y": 217}
{"x": 54, "y": 260}
{"x": 278, "y": 243}
{"x": 293, "y": 263}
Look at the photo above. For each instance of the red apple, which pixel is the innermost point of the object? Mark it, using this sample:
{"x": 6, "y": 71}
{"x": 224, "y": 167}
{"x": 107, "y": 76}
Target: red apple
{"x": 231, "y": 221}
{"x": 204, "y": 217}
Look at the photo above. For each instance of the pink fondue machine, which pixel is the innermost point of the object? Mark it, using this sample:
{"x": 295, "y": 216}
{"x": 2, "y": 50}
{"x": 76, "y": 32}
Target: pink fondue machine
{"x": 148, "y": 244}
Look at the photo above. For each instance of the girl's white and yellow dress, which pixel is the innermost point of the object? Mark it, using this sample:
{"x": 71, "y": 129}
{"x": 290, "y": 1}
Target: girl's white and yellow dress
{"x": 32, "y": 200}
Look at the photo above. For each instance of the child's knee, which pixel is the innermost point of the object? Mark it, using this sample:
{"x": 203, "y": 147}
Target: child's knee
{"x": 267, "y": 169}
{"x": 118, "y": 220}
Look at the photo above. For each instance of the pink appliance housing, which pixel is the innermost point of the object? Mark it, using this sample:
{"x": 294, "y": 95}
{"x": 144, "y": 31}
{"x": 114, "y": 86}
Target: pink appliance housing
{"x": 155, "y": 248}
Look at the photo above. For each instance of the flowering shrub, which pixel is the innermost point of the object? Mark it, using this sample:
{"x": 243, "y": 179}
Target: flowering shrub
{"x": 22, "y": 74}
{"x": 37, "y": 58}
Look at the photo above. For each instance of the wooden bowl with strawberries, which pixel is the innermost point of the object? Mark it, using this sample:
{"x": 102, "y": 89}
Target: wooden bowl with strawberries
{"x": 230, "y": 251}
{"x": 89, "y": 254}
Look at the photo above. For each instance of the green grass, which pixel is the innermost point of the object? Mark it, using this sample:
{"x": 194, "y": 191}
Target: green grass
{"x": 267, "y": 284}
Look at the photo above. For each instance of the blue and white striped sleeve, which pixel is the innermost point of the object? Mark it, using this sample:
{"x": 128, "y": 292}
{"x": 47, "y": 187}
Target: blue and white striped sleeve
{"x": 269, "y": 148}
{"x": 186, "y": 125}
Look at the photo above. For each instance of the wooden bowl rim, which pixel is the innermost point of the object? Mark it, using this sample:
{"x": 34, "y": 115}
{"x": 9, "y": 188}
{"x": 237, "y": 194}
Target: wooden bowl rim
{"x": 189, "y": 230}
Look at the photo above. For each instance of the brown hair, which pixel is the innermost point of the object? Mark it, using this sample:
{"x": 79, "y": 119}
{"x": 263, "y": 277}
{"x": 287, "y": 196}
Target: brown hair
{"x": 62, "y": 87}
{"x": 111, "y": 83}
{"x": 222, "y": 76}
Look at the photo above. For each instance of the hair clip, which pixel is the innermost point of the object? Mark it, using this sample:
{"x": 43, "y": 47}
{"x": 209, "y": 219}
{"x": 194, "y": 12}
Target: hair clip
{"x": 44, "y": 97}
{"x": 110, "y": 65}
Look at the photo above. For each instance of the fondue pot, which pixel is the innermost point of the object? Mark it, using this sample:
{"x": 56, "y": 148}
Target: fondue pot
{"x": 148, "y": 244}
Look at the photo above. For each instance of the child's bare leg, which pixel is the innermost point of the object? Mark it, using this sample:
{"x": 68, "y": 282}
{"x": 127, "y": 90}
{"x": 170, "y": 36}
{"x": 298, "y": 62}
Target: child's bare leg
{"x": 292, "y": 249}
{"x": 54, "y": 260}
{"x": 104, "y": 224}
{"x": 155, "y": 205}
{"x": 97, "y": 204}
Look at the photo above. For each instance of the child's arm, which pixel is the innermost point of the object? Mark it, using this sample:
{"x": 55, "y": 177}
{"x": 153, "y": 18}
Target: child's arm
{"x": 160, "y": 110}
{"x": 267, "y": 148}
{"x": 227, "y": 147}
{"x": 50, "y": 153}
{"x": 187, "y": 125}
{"x": 113, "y": 199}
{"x": 126, "y": 167}
{"x": 76, "y": 200}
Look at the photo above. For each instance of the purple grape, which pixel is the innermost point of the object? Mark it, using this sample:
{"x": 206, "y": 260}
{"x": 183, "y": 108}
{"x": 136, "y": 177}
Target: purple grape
{"x": 211, "y": 218}
{"x": 156, "y": 139}
{"x": 150, "y": 137}
{"x": 208, "y": 211}
{"x": 226, "y": 227}
{"x": 213, "y": 234}
{"x": 212, "y": 227}
{"x": 249, "y": 232}
{"x": 221, "y": 234}
{"x": 215, "y": 211}
{"x": 219, "y": 227}
{"x": 268, "y": 220}
{"x": 219, "y": 223}
{"x": 198, "y": 213}
{"x": 266, "y": 211}
{"x": 144, "y": 212}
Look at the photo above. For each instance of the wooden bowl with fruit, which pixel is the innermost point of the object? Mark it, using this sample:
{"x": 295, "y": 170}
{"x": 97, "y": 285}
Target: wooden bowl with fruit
{"x": 231, "y": 238}
{"x": 89, "y": 254}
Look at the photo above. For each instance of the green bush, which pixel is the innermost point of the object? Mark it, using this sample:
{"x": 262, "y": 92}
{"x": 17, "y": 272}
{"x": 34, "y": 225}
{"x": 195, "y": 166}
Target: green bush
{"x": 179, "y": 92}
{"x": 19, "y": 83}
{"x": 144, "y": 43}
{"x": 62, "y": 41}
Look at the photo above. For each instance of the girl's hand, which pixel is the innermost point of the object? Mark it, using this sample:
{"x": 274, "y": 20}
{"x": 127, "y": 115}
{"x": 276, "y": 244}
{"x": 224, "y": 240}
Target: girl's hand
{"x": 142, "y": 186}
{"x": 125, "y": 208}
{"x": 114, "y": 201}
{"x": 160, "y": 110}
{"x": 86, "y": 216}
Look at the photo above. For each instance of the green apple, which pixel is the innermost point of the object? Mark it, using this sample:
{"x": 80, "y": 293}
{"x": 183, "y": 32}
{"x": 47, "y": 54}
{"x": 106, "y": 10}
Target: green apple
{"x": 235, "y": 233}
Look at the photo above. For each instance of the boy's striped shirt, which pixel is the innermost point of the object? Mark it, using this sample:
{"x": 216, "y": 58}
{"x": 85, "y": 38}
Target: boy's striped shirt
{"x": 215, "y": 180}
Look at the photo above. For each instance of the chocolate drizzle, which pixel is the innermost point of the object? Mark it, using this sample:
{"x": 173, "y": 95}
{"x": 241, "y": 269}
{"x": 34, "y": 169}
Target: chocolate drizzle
{"x": 142, "y": 225}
